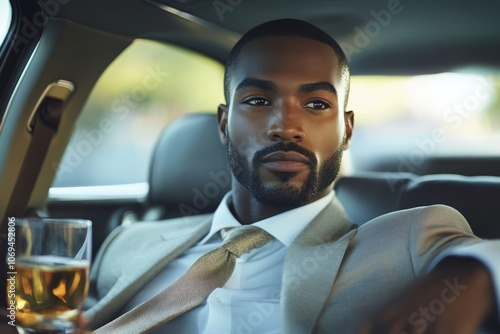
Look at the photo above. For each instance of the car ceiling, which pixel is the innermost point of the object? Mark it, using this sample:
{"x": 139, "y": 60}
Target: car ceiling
{"x": 425, "y": 36}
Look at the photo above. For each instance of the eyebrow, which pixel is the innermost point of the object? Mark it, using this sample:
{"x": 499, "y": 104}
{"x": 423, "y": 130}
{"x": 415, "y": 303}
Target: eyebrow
{"x": 315, "y": 86}
{"x": 257, "y": 83}
{"x": 271, "y": 86}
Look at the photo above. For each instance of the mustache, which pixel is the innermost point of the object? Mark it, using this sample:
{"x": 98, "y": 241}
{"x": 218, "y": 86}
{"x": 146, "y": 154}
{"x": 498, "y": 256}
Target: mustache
{"x": 285, "y": 146}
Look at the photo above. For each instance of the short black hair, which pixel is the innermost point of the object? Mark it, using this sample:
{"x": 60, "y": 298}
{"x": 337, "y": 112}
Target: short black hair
{"x": 286, "y": 27}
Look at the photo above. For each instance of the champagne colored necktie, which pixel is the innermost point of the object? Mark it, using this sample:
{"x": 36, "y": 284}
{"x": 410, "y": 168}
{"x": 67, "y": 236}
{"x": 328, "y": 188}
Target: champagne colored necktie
{"x": 209, "y": 272}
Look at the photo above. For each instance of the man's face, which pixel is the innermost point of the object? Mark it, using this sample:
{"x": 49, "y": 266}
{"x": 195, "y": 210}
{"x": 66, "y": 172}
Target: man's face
{"x": 285, "y": 127}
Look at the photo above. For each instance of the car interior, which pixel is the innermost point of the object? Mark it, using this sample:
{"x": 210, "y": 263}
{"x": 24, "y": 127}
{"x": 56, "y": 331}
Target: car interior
{"x": 55, "y": 55}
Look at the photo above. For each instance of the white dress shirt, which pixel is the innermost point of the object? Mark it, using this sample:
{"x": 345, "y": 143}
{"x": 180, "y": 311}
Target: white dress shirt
{"x": 249, "y": 302}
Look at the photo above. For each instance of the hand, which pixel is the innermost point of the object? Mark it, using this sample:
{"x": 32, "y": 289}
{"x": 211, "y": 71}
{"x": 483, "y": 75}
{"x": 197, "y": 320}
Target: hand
{"x": 82, "y": 323}
{"x": 456, "y": 297}
{"x": 5, "y": 328}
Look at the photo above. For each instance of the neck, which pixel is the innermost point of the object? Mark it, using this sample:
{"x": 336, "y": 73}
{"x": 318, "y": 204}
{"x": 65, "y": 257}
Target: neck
{"x": 247, "y": 210}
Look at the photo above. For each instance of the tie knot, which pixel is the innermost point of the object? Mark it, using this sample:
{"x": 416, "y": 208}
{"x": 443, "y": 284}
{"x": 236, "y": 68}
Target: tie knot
{"x": 243, "y": 239}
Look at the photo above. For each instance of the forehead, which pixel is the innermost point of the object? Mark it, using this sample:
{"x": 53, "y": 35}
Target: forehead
{"x": 290, "y": 59}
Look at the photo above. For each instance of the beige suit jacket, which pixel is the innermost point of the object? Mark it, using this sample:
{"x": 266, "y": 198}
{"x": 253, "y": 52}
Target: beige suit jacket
{"x": 335, "y": 274}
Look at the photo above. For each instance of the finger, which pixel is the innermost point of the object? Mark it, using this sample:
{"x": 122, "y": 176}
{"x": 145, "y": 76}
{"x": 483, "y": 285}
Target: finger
{"x": 82, "y": 323}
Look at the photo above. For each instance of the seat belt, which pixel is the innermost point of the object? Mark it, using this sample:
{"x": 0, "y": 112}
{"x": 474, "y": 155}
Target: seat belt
{"x": 43, "y": 125}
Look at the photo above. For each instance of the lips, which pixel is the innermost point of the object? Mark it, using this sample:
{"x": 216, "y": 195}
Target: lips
{"x": 285, "y": 161}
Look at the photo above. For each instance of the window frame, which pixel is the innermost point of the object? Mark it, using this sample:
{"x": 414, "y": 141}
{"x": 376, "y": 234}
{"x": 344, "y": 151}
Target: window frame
{"x": 16, "y": 50}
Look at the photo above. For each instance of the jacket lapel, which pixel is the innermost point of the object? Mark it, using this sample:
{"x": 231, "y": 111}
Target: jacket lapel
{"x": 311, "y": 266}
{"x": 154, "y": 258}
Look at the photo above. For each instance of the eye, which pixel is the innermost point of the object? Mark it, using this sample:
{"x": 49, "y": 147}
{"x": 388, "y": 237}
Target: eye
{"x": 257, "y": 101}
{"x": 317, "y": 105}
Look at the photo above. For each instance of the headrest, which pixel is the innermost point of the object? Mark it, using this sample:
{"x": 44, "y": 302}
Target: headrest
{"x": 189, "y": 170}
{"x": 476, "y": 197}
{"x": 369, "y": 195}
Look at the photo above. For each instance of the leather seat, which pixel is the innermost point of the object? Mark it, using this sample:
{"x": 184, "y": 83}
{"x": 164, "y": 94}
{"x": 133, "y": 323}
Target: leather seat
{"x": 189, "y": 170}
{"x": 476, "y": 197}
{"x": 189, "y": 173}
{"x": 371, "y": 194}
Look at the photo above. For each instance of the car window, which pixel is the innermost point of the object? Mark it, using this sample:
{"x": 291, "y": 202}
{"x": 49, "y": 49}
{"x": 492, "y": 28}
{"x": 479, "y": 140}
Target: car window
{"x": 5, "y": 19}
{"x": 144, "y": 89}
{"x": 418, "y": 117}
{"x": 150, "y": 84}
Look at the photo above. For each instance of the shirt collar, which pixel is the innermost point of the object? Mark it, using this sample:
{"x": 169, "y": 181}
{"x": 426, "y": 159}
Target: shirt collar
{"x": 223, "y": 218}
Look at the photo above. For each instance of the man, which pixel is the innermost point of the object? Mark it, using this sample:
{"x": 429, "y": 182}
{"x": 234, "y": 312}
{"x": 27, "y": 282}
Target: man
{"x": 285, "y": 127}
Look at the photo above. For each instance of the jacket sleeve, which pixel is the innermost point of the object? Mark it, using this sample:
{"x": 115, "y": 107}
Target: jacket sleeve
{"x": 434, "y": 230}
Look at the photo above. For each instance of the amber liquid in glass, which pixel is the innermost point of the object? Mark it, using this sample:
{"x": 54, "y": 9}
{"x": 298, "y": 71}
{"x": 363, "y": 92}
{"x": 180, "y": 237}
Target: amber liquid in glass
{"x": 50, "y": 291}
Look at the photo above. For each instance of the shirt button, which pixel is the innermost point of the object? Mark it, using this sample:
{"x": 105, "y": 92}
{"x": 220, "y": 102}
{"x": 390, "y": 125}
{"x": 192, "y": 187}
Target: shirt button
{"x": 219, "y": 299}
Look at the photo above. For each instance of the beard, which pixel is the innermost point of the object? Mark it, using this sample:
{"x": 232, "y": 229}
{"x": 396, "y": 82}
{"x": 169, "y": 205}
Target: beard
{"x": 284, "y": 195}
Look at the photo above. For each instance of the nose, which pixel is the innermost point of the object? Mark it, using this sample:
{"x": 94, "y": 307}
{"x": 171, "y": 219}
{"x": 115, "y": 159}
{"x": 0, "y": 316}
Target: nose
{"x": 286, "y": 125}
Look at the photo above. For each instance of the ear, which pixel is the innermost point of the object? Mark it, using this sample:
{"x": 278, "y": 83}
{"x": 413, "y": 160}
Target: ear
{"x": 222, "y": 113}
{"x": 349, "y": 126}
